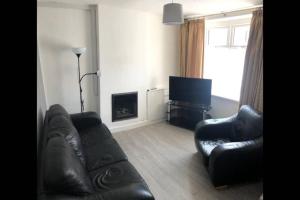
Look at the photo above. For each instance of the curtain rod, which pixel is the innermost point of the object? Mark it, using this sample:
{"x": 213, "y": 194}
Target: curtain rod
{"x": 225, "y": 13}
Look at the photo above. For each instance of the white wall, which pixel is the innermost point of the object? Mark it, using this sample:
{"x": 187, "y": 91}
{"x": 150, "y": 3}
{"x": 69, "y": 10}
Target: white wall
{"x": 41, "y": 99}
{"x": 58, "y": 30}
{"x": 137, "y": 52}
{"x": 222, "y": 107}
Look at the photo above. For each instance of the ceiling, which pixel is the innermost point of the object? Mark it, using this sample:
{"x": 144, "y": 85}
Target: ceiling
{"x": 190, "y": 7}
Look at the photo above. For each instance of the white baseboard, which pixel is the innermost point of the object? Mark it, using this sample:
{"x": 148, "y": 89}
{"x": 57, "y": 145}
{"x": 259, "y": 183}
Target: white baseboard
{"x": 134, "y": 125}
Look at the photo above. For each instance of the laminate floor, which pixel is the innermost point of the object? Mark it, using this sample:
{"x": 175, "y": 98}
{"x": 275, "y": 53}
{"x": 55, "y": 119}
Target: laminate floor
{"x": 167, "y": 159}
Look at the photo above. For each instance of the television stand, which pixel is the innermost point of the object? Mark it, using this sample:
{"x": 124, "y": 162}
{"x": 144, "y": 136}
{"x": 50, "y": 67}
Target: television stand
{"x": 186, "y": 115}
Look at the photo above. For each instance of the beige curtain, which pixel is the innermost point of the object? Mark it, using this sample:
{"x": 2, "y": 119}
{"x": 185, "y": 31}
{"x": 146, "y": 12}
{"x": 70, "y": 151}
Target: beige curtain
{"x": 192, "y": 48}
{"x": 252, "y": 82}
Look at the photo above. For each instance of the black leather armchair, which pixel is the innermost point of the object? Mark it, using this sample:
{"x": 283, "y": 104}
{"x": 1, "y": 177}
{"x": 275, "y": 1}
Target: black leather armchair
{"x": 232, "y": 148}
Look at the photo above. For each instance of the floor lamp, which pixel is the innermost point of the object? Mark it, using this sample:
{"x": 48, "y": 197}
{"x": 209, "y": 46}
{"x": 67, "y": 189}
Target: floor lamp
{"x": 78, "y": 52}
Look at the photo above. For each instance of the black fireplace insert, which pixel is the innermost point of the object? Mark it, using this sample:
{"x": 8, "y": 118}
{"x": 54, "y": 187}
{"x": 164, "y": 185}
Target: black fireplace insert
{"x": 124, "y": 106}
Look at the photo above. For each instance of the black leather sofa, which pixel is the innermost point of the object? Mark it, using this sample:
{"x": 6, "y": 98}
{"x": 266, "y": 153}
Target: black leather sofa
{"x": 232, "y": 148}
{"x": 79, "y": 159}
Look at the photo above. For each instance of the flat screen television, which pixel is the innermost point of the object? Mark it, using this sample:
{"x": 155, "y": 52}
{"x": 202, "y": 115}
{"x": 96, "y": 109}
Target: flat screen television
{"x": 192, "y": 90}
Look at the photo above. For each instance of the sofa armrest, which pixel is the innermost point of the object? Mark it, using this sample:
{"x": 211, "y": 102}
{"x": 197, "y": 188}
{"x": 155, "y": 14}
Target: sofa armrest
{"x": 214, "y": 128}
{"x": 236, "y": 161}
{"x": 85, "y": 120}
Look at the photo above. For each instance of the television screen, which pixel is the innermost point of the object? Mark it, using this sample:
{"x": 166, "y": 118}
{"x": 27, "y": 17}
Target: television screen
{"x": 193, "y": 90}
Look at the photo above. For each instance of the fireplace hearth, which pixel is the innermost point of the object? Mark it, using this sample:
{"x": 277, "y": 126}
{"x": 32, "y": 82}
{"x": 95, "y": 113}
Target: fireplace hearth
{"x": 124, "y": 106}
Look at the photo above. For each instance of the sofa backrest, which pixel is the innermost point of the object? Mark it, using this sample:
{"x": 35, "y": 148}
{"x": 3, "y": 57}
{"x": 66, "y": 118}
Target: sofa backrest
{"x": 64, "y": 173}
{"x": 57, "y": 110}
{"x": 248, "y": 124}
{"x": 61, "y": 125}
{"x": 64, "y": 167}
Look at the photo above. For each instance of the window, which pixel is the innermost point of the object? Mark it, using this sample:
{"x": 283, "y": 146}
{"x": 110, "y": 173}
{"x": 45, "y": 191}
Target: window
{"x": 218, "y": 36}
{"x": 225, "y": 48}
{"x": 241, "y": 34}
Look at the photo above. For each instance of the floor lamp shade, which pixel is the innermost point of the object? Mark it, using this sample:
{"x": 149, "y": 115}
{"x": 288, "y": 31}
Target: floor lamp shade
{"x": 79, "y": 50}
{"x": 172, "y": 14}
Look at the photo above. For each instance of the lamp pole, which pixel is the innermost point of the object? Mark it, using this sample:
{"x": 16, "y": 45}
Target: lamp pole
{"x": 81, "y": 100}
{"x": 79, "y": 51}
{"x": 79, "y": 81}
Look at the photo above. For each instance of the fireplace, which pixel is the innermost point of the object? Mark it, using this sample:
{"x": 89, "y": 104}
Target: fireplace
{"x": 124, "y": 106}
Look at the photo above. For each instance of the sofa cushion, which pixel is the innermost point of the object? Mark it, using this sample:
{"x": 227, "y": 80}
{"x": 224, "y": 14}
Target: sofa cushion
{"x": 208, "y": 145}
{"x": 115, "y": 177}
{"x": 106, "y": 152}
{"x": 85, "y": 120}
{"x": 133, "y": 191}
{"x": 63, "y": 170}
{"x": 63, "y": 125}
{"x": 94, "y": 135}
{"x": 56, "y": 110}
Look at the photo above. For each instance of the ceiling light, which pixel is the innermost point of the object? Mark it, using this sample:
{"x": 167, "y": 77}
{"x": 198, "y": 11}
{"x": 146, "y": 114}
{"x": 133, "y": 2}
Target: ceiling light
{"x": 172, "y": 14}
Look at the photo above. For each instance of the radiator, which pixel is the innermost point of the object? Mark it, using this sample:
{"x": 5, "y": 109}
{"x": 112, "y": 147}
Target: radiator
{"x": 156, "y": 105}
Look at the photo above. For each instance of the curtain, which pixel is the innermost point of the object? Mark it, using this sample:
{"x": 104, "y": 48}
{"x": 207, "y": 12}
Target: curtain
{"x": 252, "y": 82}
{"x": 192, "y": 48}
